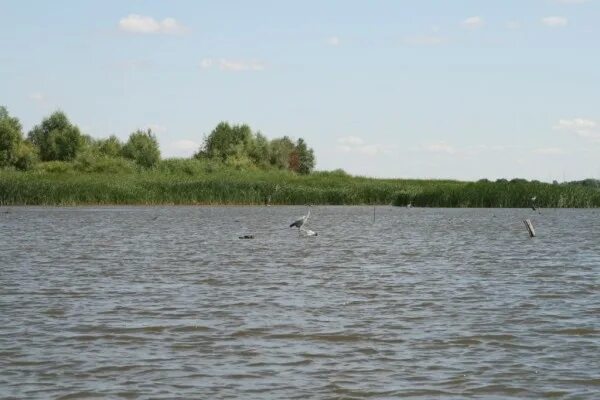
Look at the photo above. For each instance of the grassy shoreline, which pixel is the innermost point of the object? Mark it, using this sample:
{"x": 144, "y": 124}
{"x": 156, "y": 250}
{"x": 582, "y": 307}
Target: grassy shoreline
{"x": 184, "y": 185}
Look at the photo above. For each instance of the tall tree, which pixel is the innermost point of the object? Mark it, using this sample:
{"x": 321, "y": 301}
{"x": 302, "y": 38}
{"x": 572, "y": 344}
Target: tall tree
{"x": 238, "y": 145}
{"x": 227, "y": 141}
{"x": 260, "y": 152}
{"x": 56, "y": 138}
{"x": 281, "y": 150}
{"x": 11, "y": 136}
{"x": 142, "y": 147}
{"x": 306, "y": 157}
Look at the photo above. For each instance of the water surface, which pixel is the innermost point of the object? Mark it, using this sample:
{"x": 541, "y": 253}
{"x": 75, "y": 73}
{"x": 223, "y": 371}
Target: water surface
{"x": 167, "y": 302}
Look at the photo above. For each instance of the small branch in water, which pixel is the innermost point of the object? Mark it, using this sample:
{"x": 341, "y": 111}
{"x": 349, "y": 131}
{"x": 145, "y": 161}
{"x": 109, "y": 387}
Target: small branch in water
{"x": 529, "y": 227}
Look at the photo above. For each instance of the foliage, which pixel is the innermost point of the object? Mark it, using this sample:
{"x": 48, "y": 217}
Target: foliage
{"x": 234, "y": 166}
{"x": 142, "y": 147}
{"x": 10, "y": 138}
{"x": 227, "y": 141}
{"x": 208, "y": 182}
{"x": 94, "y": 162}
{"x": 514, "y": 194}
{"x": 56, "y": 138}
{"x": 27, "y": 156}
{"x": 281, "y": 151}
{"x": 592, "y": 183}
{"x": 238, "y": 146}
{"x": 110, "y": 147}
{"x": 306, "y": 157}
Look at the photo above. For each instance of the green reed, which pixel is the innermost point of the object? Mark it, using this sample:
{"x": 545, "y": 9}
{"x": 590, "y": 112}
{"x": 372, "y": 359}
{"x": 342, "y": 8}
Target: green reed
{"x": 204, "y": 182}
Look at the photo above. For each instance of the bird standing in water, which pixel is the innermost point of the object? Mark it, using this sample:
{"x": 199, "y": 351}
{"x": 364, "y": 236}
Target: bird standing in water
{"x": 300, "y": 221}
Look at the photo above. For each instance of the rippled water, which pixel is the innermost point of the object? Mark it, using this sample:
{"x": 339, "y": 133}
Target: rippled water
{"x": 167, "y": 302}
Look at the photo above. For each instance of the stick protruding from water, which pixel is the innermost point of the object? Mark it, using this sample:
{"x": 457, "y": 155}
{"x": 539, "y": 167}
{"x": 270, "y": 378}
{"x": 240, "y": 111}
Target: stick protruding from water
{"x": 529, "y": 227}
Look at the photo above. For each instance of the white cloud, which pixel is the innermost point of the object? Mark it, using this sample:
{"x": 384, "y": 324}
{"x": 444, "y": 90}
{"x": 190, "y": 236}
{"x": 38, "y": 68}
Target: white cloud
{"x": 477, "y": 149}
{"x": 584, "y": 128}
{"x": 206, "y": 63}
{"x": 356, "y": 145}
{"x": 333, "y": 41}
{"x": 350, "y": 141}
{"x": 473, "y": 22}
{"x": 555, "y": 22}
{"x": 232, "y": 65}
{"x": 135, "y": 23}
{"x": 548, "y": 151}
{"x": 425, "y": 40}
{"x": 37, "y": 97}
{"x": 440, "y": 147}
{"x": 239, "y": 65}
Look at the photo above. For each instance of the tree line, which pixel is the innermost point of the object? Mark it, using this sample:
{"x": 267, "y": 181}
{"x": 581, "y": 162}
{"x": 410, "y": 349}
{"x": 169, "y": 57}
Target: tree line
{"x": 239, "y": 145}
{"x": 57, "y": 139}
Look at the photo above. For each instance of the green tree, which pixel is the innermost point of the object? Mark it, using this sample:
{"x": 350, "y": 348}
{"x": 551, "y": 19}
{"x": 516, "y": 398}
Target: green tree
{"x": 56, "y": 138}
{"x": 227, "y": 141}
{"x": 10, "y": 138}
{"x": 260, "y": 152}
{"x": 306, "y": 157}
{"x": 142, "y": 147}
{"x": 238, "y": 146}
{"x": 281, "y": 151}
{"x": 110, "y": 147}
{"x": 26, "y": 156}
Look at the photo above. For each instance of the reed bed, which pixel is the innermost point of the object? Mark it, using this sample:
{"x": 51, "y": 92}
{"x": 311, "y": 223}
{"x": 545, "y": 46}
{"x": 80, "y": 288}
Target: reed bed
{"x": 201, "y": 182}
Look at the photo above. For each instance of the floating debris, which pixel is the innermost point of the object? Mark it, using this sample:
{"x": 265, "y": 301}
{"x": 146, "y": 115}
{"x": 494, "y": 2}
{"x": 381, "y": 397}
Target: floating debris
{"x": 307, "y": 232}
{"x": 247, "y": 237}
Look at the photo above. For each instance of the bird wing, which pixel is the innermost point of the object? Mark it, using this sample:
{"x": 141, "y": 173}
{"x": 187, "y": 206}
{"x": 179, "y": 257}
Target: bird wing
{"x": 297, "y": 223}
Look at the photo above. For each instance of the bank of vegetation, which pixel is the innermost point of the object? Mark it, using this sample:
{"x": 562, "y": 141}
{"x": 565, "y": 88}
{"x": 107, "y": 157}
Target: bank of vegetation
{"x": 55, "y": 164}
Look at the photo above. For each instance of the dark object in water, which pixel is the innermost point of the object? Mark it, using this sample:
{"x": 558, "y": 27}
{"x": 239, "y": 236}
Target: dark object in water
{"x": 247, "y": 237}
{"x": 534, "y": 206}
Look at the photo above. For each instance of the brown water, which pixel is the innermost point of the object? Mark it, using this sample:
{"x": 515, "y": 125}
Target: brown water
{"x": 422, "y": 303}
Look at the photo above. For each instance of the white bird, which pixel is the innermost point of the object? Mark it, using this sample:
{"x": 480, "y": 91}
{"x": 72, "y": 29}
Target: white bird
{"x": 301, "y": 221}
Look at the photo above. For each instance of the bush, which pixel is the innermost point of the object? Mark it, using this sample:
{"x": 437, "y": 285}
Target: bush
{"x": 181, "y": 166}
{"x": 55, "y": 167}
{"x": 89, "y": 162}
{"x": 27, "y": 156}
{"x": 111, "y": 147}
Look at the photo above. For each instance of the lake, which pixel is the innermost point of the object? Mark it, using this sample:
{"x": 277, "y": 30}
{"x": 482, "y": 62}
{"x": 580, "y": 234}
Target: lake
{"x": 168, "y": 302}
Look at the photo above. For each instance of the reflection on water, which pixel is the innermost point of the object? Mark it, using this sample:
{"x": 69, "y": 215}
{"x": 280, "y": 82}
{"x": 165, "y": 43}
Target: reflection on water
{"x": 168, "y": 302}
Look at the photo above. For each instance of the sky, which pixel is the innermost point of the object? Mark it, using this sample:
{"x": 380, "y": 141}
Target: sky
{"x": 385, "y": 88}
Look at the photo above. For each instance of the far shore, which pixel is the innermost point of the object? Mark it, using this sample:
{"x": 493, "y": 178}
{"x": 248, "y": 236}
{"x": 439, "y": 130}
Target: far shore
{"x": 190, "y": 185}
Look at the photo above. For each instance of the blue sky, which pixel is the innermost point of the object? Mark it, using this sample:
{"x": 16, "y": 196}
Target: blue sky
{"x": 416, "y": 89}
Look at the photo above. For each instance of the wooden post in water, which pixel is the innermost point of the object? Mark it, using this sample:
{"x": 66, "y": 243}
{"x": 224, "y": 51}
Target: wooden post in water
{"x": 529, "y": 227}
{"x": 373, "y": 213}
